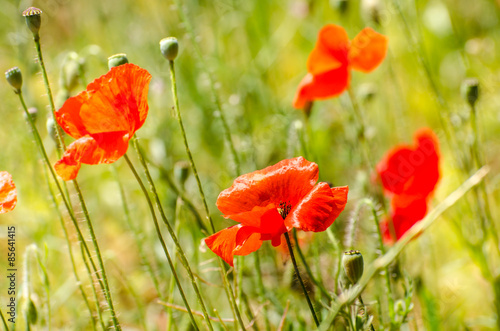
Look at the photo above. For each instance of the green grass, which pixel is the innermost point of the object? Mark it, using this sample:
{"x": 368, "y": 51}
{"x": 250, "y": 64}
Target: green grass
{"x": 256, "y": 52}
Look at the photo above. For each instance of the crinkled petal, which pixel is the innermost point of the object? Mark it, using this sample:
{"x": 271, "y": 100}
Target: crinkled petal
{"x": 95, "y": 149}
{"x": 8, "y": 192}
{"x": 116, "y": 101}
{"x": 407, "y": 211}
{"x": 264, "y": 220}
{"x": 326, "y": 85}
{"x": 225, "y": 243}
{"x": 317, "y": 211}
{"x": 330, "y": 51}
{"x": 368, "y": 50}
{"x": 287, "y": 181}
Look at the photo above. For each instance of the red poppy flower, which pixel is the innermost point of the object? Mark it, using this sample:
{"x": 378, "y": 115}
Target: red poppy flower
{"x": 409, "y": 175}
{"x": 103, "y": 118}
{"x": 329, "y": 63}
{"x": 271, "y": 201}
{"x": 8, "y": 192}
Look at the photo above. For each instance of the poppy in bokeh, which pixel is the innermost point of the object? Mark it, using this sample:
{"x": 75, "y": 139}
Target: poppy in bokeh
{"x": 409, "y": 175}
{"x": 103, "y": 118}
{"x": 8, "y": 192}
{"x": 271, "y": 201}
{"x": 329, "y": 63}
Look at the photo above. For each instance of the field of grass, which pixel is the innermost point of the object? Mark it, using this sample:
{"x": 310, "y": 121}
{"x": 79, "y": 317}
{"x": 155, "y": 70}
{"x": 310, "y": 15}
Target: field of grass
{"x": 237, "y": 71}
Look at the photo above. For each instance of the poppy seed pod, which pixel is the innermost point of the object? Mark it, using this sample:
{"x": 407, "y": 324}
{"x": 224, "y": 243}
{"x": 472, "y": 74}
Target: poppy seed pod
{"x": 117, "y": 60}
{"x": 33, "y": 17}
{"x": 470, "y": 90}
{"x": 14, "y": 78}
{"x": 353, "y": 265}
{"x": 169, "y": 48}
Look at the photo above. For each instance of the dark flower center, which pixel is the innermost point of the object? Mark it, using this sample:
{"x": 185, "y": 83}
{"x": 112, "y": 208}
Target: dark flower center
{"x": 284, "y": 208}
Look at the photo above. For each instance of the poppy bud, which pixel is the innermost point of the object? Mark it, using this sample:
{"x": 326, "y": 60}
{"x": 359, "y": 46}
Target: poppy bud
{"x": 33, "y": 19}
{"x": 117, "y": 60}
{"x": 30, "y": 311}
{"x": 70, "y": 71}
{"x": 51, "y": 129}
{"x": 353, "y": 265}
{"x": 15, "y": 78}
{"x": 341, "y": 5}
{"x": 169, "y": 48}
{"x": 470, "y": 90}
{"x": 181, "y": 172}
{"x": 33, "y": 113}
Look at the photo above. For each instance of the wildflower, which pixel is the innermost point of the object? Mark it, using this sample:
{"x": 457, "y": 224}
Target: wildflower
{"x": 8, "y": 192}
{"x": 409, "y": 176}
{"x": 329, "y": 63}
{"x": 271, "y": 201}
{"x": 103, "y": 118}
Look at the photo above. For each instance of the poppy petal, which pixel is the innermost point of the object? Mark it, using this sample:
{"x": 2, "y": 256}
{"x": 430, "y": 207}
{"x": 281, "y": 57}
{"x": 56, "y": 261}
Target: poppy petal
{"x": 312, "y": 213}
{"x": 226, "y": 244}
{"x": 326, "y": 85}
{"x": 406, "y": 212}
{"x": 330, "y": 51}
{"x": 287, "y": 181}
{"x": 116, "y": 101}
{"x": 8, "y": 192}
{"x": 368, "y": 50}
{"x": 95, "y": 149}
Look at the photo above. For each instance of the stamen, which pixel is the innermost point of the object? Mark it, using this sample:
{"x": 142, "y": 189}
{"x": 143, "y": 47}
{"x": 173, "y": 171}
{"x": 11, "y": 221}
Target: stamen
{"x": 284, "y": 209}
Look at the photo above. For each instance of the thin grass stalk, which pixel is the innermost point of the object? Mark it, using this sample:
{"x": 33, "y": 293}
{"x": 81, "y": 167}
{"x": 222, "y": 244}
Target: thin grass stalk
{"x": 70, "y": 251}
{"x": 308, "y": 269}
{"x": 162, "y": 241}
{"x": 297, "y": 273}
{"x": 390, "y": 256}
{"x": 227, "y": 284}
{"x": 171, "y": 231}
{"x": 137, "y": 237}
{"x": 4, "y": 322}
{"x": 107, "y": 292}
{"x": 38, "y": 141}
{"x": 261, "y": 288}
{"x": 94, "y": 290}
{"x": 172, "y": 283}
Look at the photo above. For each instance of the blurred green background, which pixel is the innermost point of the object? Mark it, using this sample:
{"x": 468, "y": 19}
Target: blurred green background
{"x": 257, "y": 51}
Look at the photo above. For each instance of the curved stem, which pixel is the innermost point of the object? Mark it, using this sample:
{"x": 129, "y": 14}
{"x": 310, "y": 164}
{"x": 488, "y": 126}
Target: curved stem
{"x": 160, "y": 237}
{"x": 107, "y": 292}
{"x": 227, "y": 284}
{"x": 4, "y": 322}
{"x": 308, "y": 269}
{"x": 292, "y": 256}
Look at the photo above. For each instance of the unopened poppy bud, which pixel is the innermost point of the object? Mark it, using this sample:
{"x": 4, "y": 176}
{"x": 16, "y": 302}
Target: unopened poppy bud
{"x": 169, "y": 48}
{"x": 470, "y": 90}
{"x": 341, "y": 5}
{"x": 15, "y": 78}
{"x": 353, "y": 265}
{"x": 33, "y": 19}
{"x": 117, "y": 60}
{"x": 71, "y": 68}
{"x": 51, "y": 129}
{"x": 33, "y": 113}
{"x": 30, "y": 311}
{"x": 181, "y": 172}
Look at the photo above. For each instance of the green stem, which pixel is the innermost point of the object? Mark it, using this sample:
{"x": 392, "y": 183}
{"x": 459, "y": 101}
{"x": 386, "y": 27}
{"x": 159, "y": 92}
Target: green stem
{"x": 262, "y": 289}
{"x": 70, "y": 251}
{"x": 4, "y": 322}
{"x": 215, "y": 97}
{"x": 229, "y": 291}
{"x": 94, "y": 291}
{"x": 171, "y": 231}
{"x": 308, "y": 269}
{"x": 160, "y": 237}
{"x": 361, "y": 134}
{"x": 107, "y": 292}
{"x": 39, "y": 143}
{"x": 172, "y": 283}
{"x": 292, "y": 256}
{"x": 137, "y": 238}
